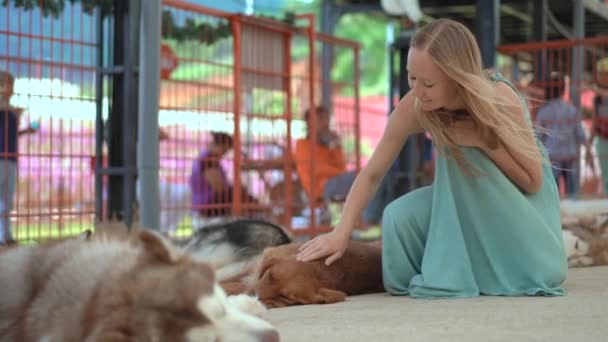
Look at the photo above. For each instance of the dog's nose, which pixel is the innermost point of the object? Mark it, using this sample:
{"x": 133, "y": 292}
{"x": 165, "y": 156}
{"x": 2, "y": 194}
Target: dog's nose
{"x": 268, "y": 336}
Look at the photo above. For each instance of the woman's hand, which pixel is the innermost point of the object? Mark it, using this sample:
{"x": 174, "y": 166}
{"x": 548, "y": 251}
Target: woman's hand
{"x": 332, "y": 245}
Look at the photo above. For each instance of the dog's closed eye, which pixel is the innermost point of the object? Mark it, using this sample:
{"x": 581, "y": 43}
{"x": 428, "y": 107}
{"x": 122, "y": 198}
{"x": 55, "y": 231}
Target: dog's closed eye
{"x": 266, "y": 275}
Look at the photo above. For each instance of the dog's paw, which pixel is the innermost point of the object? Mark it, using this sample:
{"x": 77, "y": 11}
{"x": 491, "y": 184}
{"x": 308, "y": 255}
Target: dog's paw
{"x": 248, "y": 304}
{"x": 580, "y": 261}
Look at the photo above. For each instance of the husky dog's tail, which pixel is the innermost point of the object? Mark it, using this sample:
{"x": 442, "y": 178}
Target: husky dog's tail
{"x": 248, "y": 235}
{"x": 234, "y": 246}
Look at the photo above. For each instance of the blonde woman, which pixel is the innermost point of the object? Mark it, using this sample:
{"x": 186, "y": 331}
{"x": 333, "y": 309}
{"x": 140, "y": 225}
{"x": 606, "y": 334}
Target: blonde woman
{"x": 490, "y": 223}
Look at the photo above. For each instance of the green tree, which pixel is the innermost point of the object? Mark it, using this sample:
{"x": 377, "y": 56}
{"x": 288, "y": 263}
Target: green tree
{"x": 370, "y": 32}
{"x": 367, "y": 29}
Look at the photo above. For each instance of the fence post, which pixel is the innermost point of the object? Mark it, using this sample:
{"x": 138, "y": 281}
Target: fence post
{"x": 237, "y": 192}
{"x": 149, "y": 93}
{"x": 577, "y": 52}
{"x": 488, "y": 29}
{"x": 99, "y": 131}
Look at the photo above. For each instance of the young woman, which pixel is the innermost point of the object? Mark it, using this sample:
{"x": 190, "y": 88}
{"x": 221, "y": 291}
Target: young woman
{"x": 490, "y": 223}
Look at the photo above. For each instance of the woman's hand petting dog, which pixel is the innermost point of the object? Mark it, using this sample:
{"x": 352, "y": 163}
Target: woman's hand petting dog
{"x": 331, "y": 245}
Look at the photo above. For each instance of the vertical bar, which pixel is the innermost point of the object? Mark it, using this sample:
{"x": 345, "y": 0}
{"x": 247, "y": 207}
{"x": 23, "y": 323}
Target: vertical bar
{"x": 52, "y": 196}
{"x": 115, "y": 137}
{"x": 541, "y": 71}
{"x": 540, "y": 20}
{"x": 488, "y": 30}
{"x": 98, "y": 115}
{"x": 391, "y": 77}
{"x": 312, "y": 112}
{"x": 236, "y": 195}
{"x": 149, "y": 95}
{"x": 357, "y": 111}
{"x": 577, "y": 52}
{"x": 125, "y": 115}
{"x": 129, "y": 108}
{"x": 288, "y": 119}
{"x": 329, "y": 19}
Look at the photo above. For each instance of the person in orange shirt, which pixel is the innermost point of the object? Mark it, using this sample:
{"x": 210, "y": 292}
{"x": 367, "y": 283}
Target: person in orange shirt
{"x": 329, "y": 180}
{"x": 329, "y": 163}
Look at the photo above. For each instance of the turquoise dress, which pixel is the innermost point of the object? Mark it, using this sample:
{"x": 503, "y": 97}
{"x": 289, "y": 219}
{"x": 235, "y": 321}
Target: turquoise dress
{"x": 467, "y": 236}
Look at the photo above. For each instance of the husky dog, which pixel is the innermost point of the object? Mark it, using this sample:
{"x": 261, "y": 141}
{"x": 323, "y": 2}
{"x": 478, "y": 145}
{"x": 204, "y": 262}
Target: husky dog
{"x": 233, "y": 246}
{"x": 119, "y": 286}
{"x": 586, "y": 240}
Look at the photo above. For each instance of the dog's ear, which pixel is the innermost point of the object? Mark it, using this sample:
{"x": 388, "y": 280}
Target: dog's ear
{"x": 272, "y": 303}
{"x": 157, "y": 247}
{"x": 328, "y": 296}
{"x": 264, "y": 265}
{"x": 236, "y": 287}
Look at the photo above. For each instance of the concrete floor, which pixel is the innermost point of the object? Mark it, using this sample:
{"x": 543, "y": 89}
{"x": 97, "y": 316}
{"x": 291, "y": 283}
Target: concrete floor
{"x": 581, "y": 316}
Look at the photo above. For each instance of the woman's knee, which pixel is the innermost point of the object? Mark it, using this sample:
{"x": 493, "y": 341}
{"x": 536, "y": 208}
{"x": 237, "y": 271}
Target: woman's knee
{"x": 390, "y": 216}
{"x": 407, "y": 209}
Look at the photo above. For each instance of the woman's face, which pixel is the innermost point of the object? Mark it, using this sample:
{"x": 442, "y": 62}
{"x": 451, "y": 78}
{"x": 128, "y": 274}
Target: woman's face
{"x": 429, "y": 84}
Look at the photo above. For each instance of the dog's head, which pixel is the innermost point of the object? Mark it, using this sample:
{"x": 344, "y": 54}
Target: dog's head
{"x": 281, "y": 280}
{"x": 168, "y": 296}
{"x": 582, "y": 237}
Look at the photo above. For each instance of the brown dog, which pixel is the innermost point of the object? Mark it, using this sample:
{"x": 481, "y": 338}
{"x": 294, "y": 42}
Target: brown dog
{"x": 283, "y": 281}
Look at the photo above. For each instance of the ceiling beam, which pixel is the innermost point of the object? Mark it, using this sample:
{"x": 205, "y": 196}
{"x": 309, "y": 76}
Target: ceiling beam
{"x": 596, "y": 7}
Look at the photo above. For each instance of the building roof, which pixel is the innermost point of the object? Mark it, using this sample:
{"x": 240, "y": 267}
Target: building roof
{"x": 516, "y": 16}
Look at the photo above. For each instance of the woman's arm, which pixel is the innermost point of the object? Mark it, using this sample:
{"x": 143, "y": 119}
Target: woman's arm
{"x": 214, "y": 178}
{"x": 523, "y": 171}
{"x": 401, "y": 124}
{"x": 524, "y": 176}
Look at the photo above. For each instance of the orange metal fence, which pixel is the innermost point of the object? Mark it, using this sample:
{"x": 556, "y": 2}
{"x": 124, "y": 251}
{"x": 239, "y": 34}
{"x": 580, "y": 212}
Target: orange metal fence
{"x": 575, "y": 73}
{"x": 252, "y": 78}
{"x": 47, "y": 125}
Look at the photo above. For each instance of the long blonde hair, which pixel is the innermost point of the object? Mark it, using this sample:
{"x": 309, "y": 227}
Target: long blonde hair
{"x": 453, "y": 48}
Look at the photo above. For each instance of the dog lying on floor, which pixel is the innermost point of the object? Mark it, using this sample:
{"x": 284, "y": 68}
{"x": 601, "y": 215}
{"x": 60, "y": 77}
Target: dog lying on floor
{"x": 119, "y": 286}
{"x": 586, "y": 240}
{"x": 233, "y": 246}
{"x": 281, "y": 280}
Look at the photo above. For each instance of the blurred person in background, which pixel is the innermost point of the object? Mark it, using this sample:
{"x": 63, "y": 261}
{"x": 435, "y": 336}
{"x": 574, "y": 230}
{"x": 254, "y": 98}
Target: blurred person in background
{"x": 9, "y": 138}
{"x": 212, "y": 192}
{"x": 599, "y": 129}
{"x": 329, "y": 180}
{"x": 561, "y": 131}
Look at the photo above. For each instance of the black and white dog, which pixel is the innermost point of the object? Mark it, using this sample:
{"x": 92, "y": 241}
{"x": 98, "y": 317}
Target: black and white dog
{"x": 234, "y": 245}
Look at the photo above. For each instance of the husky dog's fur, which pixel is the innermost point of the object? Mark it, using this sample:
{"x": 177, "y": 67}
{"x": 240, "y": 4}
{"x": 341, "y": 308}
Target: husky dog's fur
{"x": 119, "y": 286}
{"x": 233, "y": 246}
{"x": 586, "y": 240}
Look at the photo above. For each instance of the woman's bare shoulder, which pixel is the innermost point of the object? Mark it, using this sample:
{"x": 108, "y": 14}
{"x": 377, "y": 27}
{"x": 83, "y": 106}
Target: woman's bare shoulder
{"x": 508, "y": 93}
{"x": 404, "y": 115}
